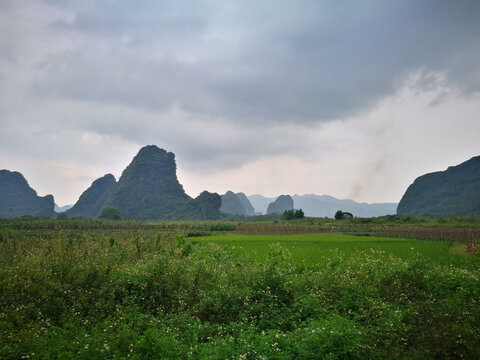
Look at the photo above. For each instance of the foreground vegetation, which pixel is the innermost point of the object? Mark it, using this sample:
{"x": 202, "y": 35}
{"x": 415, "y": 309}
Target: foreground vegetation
{"x": 147, "y": 295}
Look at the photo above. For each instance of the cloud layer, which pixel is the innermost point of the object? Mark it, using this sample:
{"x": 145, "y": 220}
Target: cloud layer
{"x": 320, "y": 96}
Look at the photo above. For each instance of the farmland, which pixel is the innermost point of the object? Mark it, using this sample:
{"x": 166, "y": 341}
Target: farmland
{"x": 103, "y": 290}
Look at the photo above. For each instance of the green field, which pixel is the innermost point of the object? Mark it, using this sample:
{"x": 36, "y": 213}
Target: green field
{"x": 147, "y": 295}
{"x": 319, "y": 249}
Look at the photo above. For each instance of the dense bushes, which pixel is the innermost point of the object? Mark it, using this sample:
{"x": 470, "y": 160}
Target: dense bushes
{"x": 36, "y": 224}
{"x": 152, "y": 295}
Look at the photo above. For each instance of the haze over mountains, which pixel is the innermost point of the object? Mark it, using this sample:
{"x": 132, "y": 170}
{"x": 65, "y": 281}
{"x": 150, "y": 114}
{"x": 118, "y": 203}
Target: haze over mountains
{"x": 63, "y": 208}
{"x": 326, "y": 206}
{"x": 281, "y": 204}
{"x": 149, "y": 189}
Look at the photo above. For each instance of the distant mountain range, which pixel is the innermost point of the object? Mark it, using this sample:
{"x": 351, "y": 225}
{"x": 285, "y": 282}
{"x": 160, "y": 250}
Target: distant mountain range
{"x": 312, "y": 205}
{"x": 59, "y": 209}
{"x": 247, "y": 206}
{"x": 149, "y": 189}
{"x": 326, "y": 206}
{"x": 260, "y": 202}
{"x": 455, "y": 191}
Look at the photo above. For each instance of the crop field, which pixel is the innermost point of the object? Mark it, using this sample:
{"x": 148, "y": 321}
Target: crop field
{"x": 316, "y": 250}
{"x": 164, "y": 295}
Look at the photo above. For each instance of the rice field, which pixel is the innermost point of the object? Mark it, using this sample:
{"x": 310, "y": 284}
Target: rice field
{"x": 316, "y": 249}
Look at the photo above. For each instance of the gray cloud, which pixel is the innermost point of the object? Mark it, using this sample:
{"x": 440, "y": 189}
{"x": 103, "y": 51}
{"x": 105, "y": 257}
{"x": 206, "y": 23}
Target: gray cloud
{"x": 295, "y": 61}
{"x": 226, "y": 84}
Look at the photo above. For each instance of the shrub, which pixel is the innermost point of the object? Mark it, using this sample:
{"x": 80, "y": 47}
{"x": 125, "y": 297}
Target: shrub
{"x": 110, "y": 213}
{"x": 341, "y": 215}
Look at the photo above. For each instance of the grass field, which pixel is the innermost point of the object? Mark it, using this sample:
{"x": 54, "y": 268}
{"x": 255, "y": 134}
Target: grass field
{"x": 318, "y": 248}
{"x": 147, "y": 295}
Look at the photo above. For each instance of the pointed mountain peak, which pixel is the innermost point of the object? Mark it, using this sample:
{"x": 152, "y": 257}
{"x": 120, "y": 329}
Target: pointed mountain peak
{"x": 149, "y": 188}
{"x": 282, "y": 203}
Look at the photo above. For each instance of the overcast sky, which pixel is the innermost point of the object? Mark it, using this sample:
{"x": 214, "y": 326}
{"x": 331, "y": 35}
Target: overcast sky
{"x": 353, "y": 99}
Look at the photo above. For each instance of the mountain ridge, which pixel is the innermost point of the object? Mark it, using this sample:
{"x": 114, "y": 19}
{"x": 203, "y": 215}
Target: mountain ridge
{"x": 326, "y": 205}
{"x": 92, "y": 200}
{"x": 452, "y": 192}
{"x": 148, "y": 189}
{"x": 17, "y": 198}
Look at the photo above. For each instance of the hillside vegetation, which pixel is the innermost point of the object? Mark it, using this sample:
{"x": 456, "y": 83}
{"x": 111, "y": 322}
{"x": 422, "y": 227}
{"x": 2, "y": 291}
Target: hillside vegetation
{"x": 17, "y": 198}
{"x": 453, "y": 192}
{"x": 93, "y": 199}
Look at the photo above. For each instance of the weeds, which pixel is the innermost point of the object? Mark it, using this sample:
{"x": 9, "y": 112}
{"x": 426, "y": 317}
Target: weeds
{"x": 158, "y": 295}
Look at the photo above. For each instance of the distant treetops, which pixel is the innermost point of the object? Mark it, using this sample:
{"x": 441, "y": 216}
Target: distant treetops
{"x": 293, "y": 214}
{"x": 110, "y": 213}
{"x": 341, "y": 215}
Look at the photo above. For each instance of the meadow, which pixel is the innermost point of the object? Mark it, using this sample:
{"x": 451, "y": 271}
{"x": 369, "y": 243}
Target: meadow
{"x": 177, "y": 295}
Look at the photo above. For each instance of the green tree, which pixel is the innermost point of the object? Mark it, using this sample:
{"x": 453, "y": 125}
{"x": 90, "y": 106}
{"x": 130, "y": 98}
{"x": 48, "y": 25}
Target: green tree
{"x": 209, "y": 204}
{"x": 110, "y": 212}
{"x": 288, "y": 214}
{"x": 62, "y": 216}
{"x": 341, "y": 215}
{"x": 293, "y": 214}
{"x": 299, "y": 214}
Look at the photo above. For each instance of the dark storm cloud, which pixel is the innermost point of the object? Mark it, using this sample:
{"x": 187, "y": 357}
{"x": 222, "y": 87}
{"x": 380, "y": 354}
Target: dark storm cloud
{"x": 268, "y": 61}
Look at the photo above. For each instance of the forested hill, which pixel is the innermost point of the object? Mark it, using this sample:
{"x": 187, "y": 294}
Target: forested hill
{"x": 453, "y": 192}
{"x": 149, "y": 189}
{"x": 17, "y": 198}
{"x": 93, "y": 199}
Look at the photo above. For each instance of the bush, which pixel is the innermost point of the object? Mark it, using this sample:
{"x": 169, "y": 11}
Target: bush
{"x": 110, "y": 213}
{"x": 293, "y": 214}
{"x": 342, "y": 215}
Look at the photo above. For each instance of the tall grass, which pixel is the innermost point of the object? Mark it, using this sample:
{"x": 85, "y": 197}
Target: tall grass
{"x": 158, "y": 295}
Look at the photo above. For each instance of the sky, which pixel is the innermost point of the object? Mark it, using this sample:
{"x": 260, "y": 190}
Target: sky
{"x": 353, "y": 99}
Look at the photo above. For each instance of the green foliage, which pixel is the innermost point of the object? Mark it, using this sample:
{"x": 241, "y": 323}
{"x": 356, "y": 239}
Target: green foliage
{"x": 101, "y": 295}
{"x": 342, "y": 215}
{"x": 127, "y": 225}
{"x": 62, "y": 216}
{"x": 293, "y": 214}
{"x": 288, "y": 214}
{"x": 110, "y": 213}
{"x": 209, "y": 205}
{"x": 299, "y": 214}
